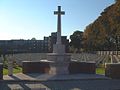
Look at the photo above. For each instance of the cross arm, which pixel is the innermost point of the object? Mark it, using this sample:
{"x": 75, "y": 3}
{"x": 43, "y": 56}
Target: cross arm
{"x": 56, "y": 12}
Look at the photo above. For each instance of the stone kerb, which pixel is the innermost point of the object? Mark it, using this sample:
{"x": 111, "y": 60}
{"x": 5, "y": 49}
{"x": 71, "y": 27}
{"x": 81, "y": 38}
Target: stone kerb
{"x": 1, "y": 71}
{"x": 112, "y": 70}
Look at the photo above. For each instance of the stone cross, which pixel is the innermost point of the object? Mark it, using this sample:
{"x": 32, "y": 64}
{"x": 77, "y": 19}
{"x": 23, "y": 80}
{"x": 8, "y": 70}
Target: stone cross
{"x": 59, "y": 13}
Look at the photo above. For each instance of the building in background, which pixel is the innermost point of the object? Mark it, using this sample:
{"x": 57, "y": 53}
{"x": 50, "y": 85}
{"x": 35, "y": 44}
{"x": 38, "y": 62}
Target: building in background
{"x": 22, "y": 46}
{"x": 31, "y": 46}
{"x": 53, "y": 39}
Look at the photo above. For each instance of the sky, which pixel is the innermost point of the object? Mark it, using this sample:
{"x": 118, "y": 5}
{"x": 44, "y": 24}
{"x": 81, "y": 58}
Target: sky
{"x": 25, "y": 19}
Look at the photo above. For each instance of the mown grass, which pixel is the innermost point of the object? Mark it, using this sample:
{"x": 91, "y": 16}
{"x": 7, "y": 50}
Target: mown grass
{"x": 15, "y": 70}
{"x": 100, "y": 70}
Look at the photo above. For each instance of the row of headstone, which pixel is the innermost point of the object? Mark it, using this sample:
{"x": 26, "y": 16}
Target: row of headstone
{"x": 117, "y": 58}
{"x": 86, "y": 57}
{"x": 97, "y": 58}
{"x": 29, "y": 57}
{"x": 108, "y": 52}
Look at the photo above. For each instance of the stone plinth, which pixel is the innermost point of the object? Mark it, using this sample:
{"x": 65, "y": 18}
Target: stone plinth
{"x": 82, "y": 67}
{"x": 58, "y": 48}
{"x": 35, "y": 67}
{"x": 112, "y": 70}
{"x": 1, "y": 71}
{"x": 60, "y": 63}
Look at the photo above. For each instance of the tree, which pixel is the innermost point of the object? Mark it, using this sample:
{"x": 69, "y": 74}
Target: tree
{"x": 100, "y": 35}
{"x": 117, "y": 0}
{"x": 76, "y": 40}
{"x": 33, "y": 38}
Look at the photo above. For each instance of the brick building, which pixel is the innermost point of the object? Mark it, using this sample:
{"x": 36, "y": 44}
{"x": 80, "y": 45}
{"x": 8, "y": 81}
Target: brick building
{"x": 31, "y": 46}
{"x": 53, "y": 39}
{"x": 23, "y": 46}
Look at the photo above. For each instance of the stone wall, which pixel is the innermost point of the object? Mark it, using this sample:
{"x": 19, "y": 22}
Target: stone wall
{"x": 1, "y": 71}
{"x": 82, "y": 67}
{"x": 44, "y": 67}
{"x": 35, "y": 67}
{"x": 113, "y": 70}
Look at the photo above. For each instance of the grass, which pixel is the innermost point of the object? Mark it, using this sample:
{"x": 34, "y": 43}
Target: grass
{"x": 15, "y": 70}
{"x": 100, "y": 70}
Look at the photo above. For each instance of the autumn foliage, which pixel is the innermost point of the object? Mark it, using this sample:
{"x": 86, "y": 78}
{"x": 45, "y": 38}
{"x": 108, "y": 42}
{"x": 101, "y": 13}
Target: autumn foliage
{"x": 102, "y": 33}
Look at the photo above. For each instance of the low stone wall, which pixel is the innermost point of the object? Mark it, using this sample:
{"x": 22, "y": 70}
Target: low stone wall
{"x": 44, "y": 67}
{"x": 82, "y": 67}
{"x": 1, "y": 71}
{"x": 35, "y": 67}
{"x": 113, "y": 70}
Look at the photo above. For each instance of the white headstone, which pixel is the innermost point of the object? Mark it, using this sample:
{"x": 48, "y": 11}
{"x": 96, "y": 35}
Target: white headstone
{"x": 1, "y": 59}
{"x": 111, "y": 57}
{"x": 10, "y": 65}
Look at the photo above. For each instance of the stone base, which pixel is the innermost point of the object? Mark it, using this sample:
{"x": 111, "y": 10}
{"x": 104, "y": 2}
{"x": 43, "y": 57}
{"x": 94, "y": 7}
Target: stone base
{"x": 58, "y": 48}
{"x": 82, "y": 67}
{"x": 58, "y": 68}
{"x": 35, "y": 67}
{"x": 113, "y": 70}
{"x": 1, "y": 71}
{"x": 60, "y": 63}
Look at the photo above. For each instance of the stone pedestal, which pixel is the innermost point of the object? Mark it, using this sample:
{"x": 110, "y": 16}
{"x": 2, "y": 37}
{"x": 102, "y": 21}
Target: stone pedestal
{"x": 1, "y": 71}
{"x": 58, "y": 48}
{"x": 60, "y": 63}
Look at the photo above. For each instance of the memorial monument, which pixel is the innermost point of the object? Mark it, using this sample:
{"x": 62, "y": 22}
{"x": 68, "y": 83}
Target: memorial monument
{"x": 59, "y": 59}
{"x": 58, "y": 62}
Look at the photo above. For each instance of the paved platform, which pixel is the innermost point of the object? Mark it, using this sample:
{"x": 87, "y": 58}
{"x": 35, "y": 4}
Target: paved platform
{"x": 58, "y": 82}
{"x": 48, "y": 77}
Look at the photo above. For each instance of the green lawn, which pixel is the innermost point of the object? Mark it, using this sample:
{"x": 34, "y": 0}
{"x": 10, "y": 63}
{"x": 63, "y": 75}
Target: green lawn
{"x": 15, "y": 70}
{"x": 19, "y": 70}
{"x": 100, "y": 70}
